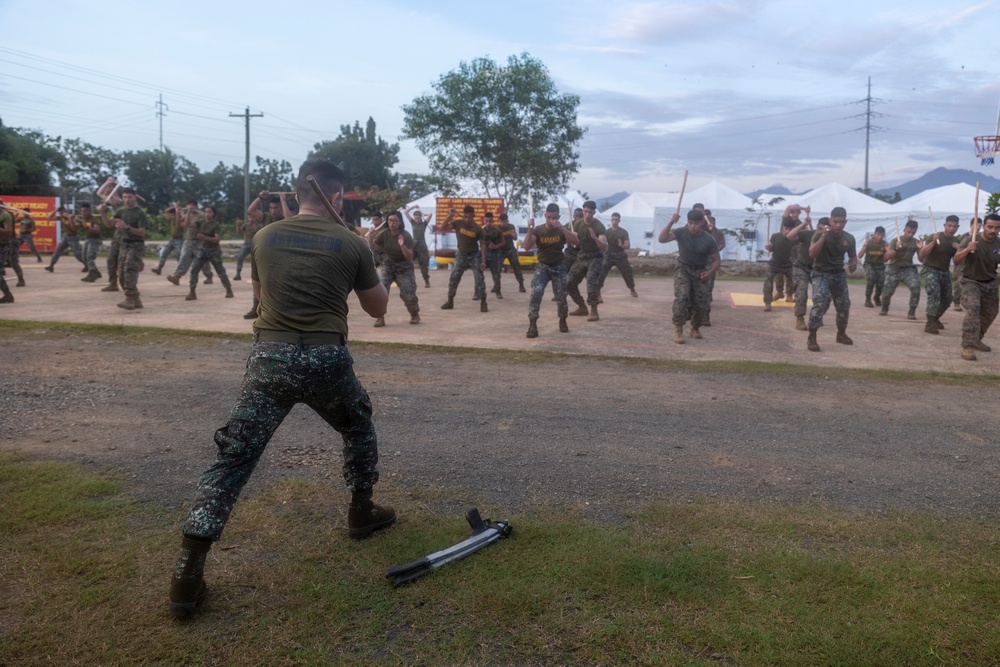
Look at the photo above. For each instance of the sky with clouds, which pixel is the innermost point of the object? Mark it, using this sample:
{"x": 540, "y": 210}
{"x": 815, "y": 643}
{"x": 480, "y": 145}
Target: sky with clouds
{"x": 748, "y": 92}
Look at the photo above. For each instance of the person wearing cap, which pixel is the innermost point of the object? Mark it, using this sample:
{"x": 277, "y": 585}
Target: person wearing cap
{"x": 936, "y": 256}
{"x": 829, "y": 280}
{"x": 589, "y": 262}
{"x": 696, "y": 248}
{"x": 550, "y": 239}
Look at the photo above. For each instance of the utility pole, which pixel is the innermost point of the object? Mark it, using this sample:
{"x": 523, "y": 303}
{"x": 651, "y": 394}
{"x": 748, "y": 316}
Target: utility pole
{"x": 868, "y": 130}
{"x": 246, "y": 116}
{"x": 160, "y": 106}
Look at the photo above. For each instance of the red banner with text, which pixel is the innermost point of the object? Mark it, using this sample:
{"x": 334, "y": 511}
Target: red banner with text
{"x": 39, "y": 208}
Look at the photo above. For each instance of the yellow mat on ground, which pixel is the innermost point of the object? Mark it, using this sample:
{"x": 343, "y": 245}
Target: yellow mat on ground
{"x": 740, "y": 299}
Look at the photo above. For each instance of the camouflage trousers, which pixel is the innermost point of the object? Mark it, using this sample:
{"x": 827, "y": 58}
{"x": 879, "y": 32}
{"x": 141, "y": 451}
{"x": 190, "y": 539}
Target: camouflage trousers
{"x": 113, "y": 252}
{"x": 14, "y": 256}
{"x": 980, "y": 303}
{"x": 129, "y": 265}
{"x": 937, "y": 283}
{"x": 515, "y": 264}
{"x": 691, "y": 295}
{"x": 3, "y": 265}
{"x": 173, "y": 246}
{"x": 907, "y": 276}
{"x": 209, "y": 253}
{"x": 278, "y": 376}
{"x": 619, "y": 260}
{"x": 240, "y": 258}
{"x": 189, "y": 252}
{"x": 401, "y": 271}
{"x": 874, "y": 280}
{"x": 494, "y": 260}
{"x": 28, "y": 239}
{"x": 422, "y": 258}
{"x": 829, "y": 287}
{"x": 591, "y": 266}
{"x": 463, "y": 261}
{"x": 91, "y": 247}
{"x": 956, "y": 282}
{"x": 68, "y": 243}
{"x": 543, "y": 274}
{"x": 803, "y": 278}
{"x": 772, "y": 271}
{"x": 779, "y": 284}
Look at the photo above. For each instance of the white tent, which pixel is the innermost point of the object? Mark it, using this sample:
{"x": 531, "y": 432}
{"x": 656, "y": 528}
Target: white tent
{"x": 958, "y": 199}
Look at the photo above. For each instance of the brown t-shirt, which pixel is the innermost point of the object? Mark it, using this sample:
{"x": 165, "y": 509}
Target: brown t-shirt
{"x": 550, "y": 244}
{"x": 981, "y": 265}
{"x": 469, "y": 236}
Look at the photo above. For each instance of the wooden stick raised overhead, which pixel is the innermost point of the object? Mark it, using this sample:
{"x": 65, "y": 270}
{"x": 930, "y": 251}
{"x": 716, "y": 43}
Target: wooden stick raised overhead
{"x": 680, "y": 198}
{"x": 326, "y": 202}
{"x": 975, "y": 215}
{"x": 933, "y": 224}
{"x": 899, "y": 239}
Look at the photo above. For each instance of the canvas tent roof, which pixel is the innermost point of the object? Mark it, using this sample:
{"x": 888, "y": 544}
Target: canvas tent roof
{"x": 947, "y": 199}
{"x": 826, "y": 198}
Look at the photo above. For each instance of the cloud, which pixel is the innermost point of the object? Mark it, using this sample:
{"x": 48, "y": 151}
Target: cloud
{"x": 657, "y": 21}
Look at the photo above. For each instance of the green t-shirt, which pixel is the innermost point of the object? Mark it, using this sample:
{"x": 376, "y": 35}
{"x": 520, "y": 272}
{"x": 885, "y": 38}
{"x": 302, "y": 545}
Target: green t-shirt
{"x": 587, "y": 244}
{"x": 875, "y": 252}
{"x": 134, "y": 218}
{"x": 550, "y": 244}
{"x": 905, "y": 250}
{"x": 176, "y": 230}
{"x": 419, "y": 231}
{"x": 468, "y": 236}
{"x": 831, "y": 255}
{"x": 492, "y": 236}
{"x": 191, "y": 233}
{"x": 509, "y": 232}
{"x": 981, "y": 265}
{"x": 781, "y": 250}
{"x": 695, "y": 251}
{"x": 91, "y": 227}
{"x": 306, "y": 267}
{"x": 28, "y": 225}
{"x": 614, "y": 236}
{"x": 940, "y": 255}
{"x": 7, "y": 222}
{"x": 210, "y": 229}
{"x": 802, "y": 258}
{"x": 388, "y": 243}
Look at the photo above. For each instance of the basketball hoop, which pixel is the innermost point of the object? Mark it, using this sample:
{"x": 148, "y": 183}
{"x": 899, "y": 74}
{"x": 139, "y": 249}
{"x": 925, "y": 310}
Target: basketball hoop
{"x": 986, "y": 149}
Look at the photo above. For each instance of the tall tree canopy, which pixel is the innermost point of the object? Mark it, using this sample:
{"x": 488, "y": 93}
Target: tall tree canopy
{"x": 503, "y": 126}
{"x": 366, "y": 158}
{"x": 27, "y": 161}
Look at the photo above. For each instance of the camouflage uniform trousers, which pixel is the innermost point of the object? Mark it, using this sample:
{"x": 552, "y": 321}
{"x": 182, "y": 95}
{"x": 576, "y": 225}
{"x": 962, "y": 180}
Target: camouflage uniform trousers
{"x": 240, "y": 258}
{"x": 779, "y": 284}
{"x": 129, "y": 265}
{"x": 67, "y": 243}
{"x": 937, "y": 283}
{"x": 772, "y": 271}
{"x": 494, "y": 260}
{"x": 91, "y": 247}
{"x": 909, "y": 277}
{"x": 691, "y": 295}
{"x": 829, "y": 287}
{"x": 14, "y": 256}
{"x": 3, "y": 264}
{"x": 543, "y": 274}
{"x": 618, "y": 260}
{"x": 278, "y": 376}
{"x": 209, "y": 253}
{"x": 113, "y": 252}
{"x": 591, "y": 266}
{"x": 28, "y": 239}
{"x": 515, "y": 264}
{"x": 803, "y": 278}
{"x": 569, "y": 258}
{"x": 401, "y": 271}
{"x": 173, "y": 245}
{"x": 956, "y": 283}
{"x": 422, "y": 258}
{"x": 875, "y": 280}
{"x": 189, "y": 251}
{"x": 463, "y": 261}
{"x": 980, "y": 303}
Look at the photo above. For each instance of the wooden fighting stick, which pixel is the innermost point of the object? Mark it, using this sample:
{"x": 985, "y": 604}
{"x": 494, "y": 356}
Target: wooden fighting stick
{"x": 118, "y": 184}
{"x": 680, "y": 198}
{"x": 933, "y": 224}
{"x": 899, "y": 239}
{"x": 975, "y": 215}
{"x": 326, "y": 202}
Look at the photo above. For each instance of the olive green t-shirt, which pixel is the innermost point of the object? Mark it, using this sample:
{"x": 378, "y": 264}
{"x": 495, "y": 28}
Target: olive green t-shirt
{"x": 695, "y": 250}
{"x": 614, "y": 236}
{"x": 468, "y": 236}
{"x": 587, "y": 244}
{"x": 492, "y": 236}
{"x": 419, "y": 231}
{"x": 306, "y": 267}
{"x": 28, "y": 226}
{"x": 134, "y": 218}
{"x": 91, "y": 227}
{"x": 509, "y": 232}
{"x": 209, "y": 229}
{"x": 781, "y": 250}
{"x": 802, "y": 258}
{"x": 905, "y": 249}
{"x": 940, "y": 255}
{"x": 875, "y": 252}
{"x": 550, "y": 244}
{"x": 388, "y": 243}
{"x": 981, "y": 265}
{"x": 831, "y": 255}
{"x": 191, "y": 233}
{"x": 7, "y": 222}
{"x": 176, "y": 230}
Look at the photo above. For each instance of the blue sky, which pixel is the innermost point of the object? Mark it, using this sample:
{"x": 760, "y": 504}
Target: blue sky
{"x": 747, "y": 92}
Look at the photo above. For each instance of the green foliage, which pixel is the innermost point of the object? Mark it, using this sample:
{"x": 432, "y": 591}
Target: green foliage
{"x": 503, "y": 126}
{"x": 366, "y": 158}
{"x": 993, "y": 203}
{"x": 27, "y": 160}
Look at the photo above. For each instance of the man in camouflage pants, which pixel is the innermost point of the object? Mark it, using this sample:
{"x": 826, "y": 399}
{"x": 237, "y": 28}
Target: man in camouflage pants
{"x": 936, "y": 256}
{"x": 801, "y": 237}
{"x": 209, "y": 235}
{"x": 6, "y": 232}
{"x": 696, "y": 248}
{"x": 873, "y": 252}
{"x": 130, "y": 223}
{"x": 396, "y": 246}
{"x": 617, "y": 255}
{"x": 901, "y": 269}
{"x": 471, "y": 254}
{"x": 589, "y": 262}
{"x": 419, "y": 224}
{"x": 979, "y": 259}
{"x": 493, "y": 238}
{"x": 509, "y": 250}
{"x": 92, "y": 242}
{"x": 829, "y": 280}
{"x": 550, "y": 239}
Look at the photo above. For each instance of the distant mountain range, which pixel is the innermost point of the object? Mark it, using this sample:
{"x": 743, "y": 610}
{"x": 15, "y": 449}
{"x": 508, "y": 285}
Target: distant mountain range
{"x": 604, "y": 203}
{"x": 941, "y": 177}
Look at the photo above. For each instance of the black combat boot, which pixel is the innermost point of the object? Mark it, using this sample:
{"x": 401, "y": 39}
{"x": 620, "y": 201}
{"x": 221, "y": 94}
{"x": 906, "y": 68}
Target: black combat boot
{"x": 191, "y": 295}
{"x": 449, "y": 304}
{"x": 843, "y": 338}
{"x": 7, "y": 296}
{"x": 532, "y": 327}
{"x": 911, "y": 314}
{"x": 187, "y": 586}
{"x": 563, "y": 325}
{"x": 811, "y": 343}
{"x": 930, "y": 327}
{"x": 365, "y": 517}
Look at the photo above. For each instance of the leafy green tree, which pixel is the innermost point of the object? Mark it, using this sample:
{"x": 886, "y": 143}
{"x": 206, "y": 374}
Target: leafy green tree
{"x": 993, "y": 203}
{"x": 87, "y": 166}
{"x": 503, "y": 126}
{"x": 366, "y": 158}
{"x": 27, "y": 162}
{"x": 162, "y": 177}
